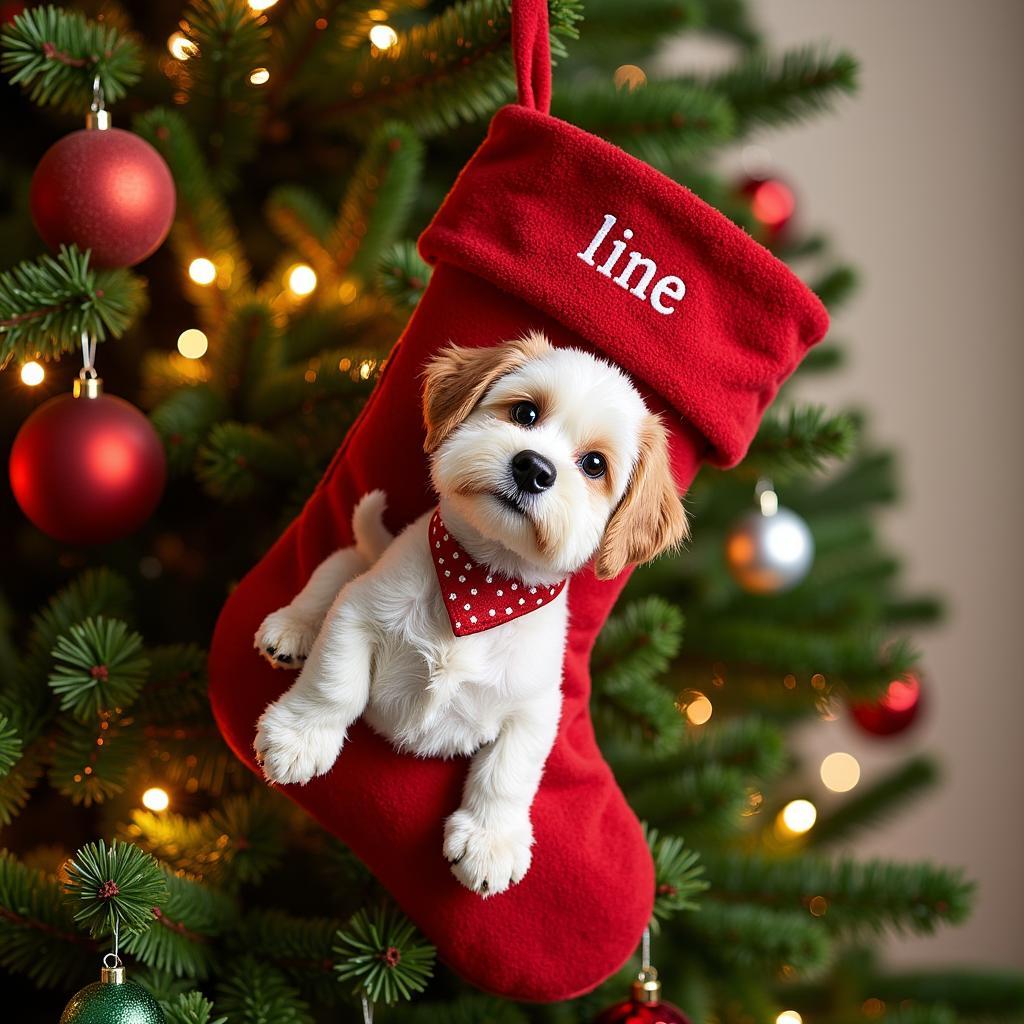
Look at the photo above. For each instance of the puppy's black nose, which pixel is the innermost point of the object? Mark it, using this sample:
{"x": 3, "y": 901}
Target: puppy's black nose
{"x": 532, "y": 472}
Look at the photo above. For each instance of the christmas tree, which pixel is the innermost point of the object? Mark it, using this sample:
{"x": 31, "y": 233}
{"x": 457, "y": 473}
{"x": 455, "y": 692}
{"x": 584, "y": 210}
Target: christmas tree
{"x": 308, "y": 143}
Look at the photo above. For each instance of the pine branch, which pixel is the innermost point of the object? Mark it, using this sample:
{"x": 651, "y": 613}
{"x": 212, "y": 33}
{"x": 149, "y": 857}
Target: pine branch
{"x": 877, "y": 802}
{"x": 182, "y": 931}
{"x": 823, "y": 359}
{"x": 705, "y": 800}
{"x": 383, "y": 955}
{"x": 299, "y": 386}
{"x": 455, "y": 68}
{"x": 11, "y": 746}
{"x": 846, "y": 897}
{"x": 99, "y": 666}
{"x": 16, "y": 786}
{"x": 193, "y": 1008}
{"x": 377, "y": 201}
{"x": 467, "y": 1009}
{"x": 46, "y": 305}
{"x": 230, "y": 40}
{"x": 633, "y": 650}
{"x": 184, "y": 419}
{"x": 678, "y": 876}
{"x": 836, "y": 287}
{"x": 253, "y": 992}
{"x": 92, "y": 761}
{"x": 56, "y": 54}
{"x": 730, "y": 18}
{"x": 236, "y": 461}
{"x": 299, "y": 946}
{"x": 612, "y": 26}
{"x": 176, "y": 688}
{"x": 116, "y": 885}
{"x": 403, "y": 275}
{"x": 769, "y": 91}
{"x": 662, "y": 123}
{"x": 302, "y": 220}
{"x": 238, "y": 843}
{"x": 975, "y": 994}
{"x": 38, "y": 934}
{"x": 757, "y": 938}
{"x": 801, "y": 440}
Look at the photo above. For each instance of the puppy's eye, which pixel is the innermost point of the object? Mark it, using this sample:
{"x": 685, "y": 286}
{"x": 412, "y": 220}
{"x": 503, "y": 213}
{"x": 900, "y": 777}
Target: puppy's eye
{"x": 593, "y": 465}
{"x": 524, "y": 413}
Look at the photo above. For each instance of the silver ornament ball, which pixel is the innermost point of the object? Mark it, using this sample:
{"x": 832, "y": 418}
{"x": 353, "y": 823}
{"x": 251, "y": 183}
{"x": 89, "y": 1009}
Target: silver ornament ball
{"x": 768, "y": 554}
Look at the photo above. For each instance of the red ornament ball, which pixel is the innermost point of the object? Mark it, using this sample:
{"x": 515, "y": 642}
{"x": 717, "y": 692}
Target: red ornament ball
{"x": 894, "y": 711}
{"x": 772, "y": 204}
{"x": 87, "y": 470}
{"x": 633, "y": 1011}
{"x": 108, "y": 191}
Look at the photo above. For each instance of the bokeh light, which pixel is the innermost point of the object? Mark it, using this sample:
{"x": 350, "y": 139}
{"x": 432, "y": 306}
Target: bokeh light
{"x": 192, "y": 344}
{"x": 840, "y": 772}
{"x": 156, "y": 799}
{"x": 181, "y": 47}
{"x": 202, "y": 271}
{"x": 383, "y": 37}
{"x": 259, "y": 76}
{"x": 789, "y": 1017}
{"x": 301, "y": 279}
{"x": 629, "y": 77}
{"x": 32, "y": 373}
{"x": 798, "y": 817}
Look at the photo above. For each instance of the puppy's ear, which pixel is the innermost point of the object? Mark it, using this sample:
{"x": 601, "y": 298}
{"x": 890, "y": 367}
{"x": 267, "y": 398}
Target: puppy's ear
{"x": 650, "y": 517}
{"x": 457, "y": 378}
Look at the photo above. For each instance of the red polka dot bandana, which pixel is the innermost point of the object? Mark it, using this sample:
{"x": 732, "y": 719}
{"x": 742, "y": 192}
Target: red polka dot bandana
{"x": 475, "y": 598}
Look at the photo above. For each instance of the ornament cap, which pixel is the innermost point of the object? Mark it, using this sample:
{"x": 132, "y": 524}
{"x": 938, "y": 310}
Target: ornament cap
{"x": 88, "y": 387}
{"x": 647, "y": 987}
{"x": 98, "y": 120}
{"x": 112, "y": 971}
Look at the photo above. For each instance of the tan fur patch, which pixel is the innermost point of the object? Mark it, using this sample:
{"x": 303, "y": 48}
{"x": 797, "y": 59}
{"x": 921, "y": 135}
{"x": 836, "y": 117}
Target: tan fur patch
{"x": 457, "y": 378}
{"x": 650, "y": 518}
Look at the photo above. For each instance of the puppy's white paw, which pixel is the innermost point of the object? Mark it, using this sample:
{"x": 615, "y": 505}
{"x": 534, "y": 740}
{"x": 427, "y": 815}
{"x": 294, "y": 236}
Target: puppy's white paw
{"x": 285, "y": 638}
{"x": 487, "y": 859}
{"x": 291, "y": 748}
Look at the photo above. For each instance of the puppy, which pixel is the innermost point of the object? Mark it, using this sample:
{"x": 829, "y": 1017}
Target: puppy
{"x": 449, "y": 638}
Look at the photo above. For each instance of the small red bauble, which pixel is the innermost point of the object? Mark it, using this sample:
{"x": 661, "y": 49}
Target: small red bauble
{"x": 645, "y": 1005}
{"x": 893, "y": 712}
{"x": 107, "y": 191}
{"x": 87, "y": 470}
{"x": 772, "y": 204}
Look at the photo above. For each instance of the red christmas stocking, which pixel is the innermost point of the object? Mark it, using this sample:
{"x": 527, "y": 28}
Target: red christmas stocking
{"x": 548, "y": 228}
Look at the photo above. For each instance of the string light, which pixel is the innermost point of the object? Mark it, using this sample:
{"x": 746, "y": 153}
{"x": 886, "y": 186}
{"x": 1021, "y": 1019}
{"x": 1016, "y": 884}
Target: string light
{"x": 797, "y": 817}
{"x": 259, "y": 76}
{"x": 840, "y": 772}
{"x": 202, "y": 271}
{"x": 695, "y": 706}
{"x": 261, "y": 5}
{"x": 789, "y": 1017}
{"x": 181, "y": 47}
{"x": 383, "y": 37}
{"x": 629, "y": 77}
{"x": 301, "y": 279}
{"x": 32, "y": 373}
{"x": 192, "y": 344}
{"x": 156, "y": 799}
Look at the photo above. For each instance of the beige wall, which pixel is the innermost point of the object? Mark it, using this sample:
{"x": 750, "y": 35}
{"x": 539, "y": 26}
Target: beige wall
{"x": 921, "y": 182}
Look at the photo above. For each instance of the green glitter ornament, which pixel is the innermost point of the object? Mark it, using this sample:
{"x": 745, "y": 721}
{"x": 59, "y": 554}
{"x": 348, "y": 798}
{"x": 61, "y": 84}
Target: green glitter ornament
{"x": 112, "y": 1000}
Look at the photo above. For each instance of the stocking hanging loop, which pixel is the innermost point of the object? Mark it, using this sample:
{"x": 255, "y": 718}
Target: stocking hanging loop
{"x": 531, "y": 51}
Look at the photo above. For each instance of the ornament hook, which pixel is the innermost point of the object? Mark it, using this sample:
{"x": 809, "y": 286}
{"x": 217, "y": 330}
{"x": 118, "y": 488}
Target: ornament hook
{"x": 98, "y": 117}
{"x": 88, "y": 384}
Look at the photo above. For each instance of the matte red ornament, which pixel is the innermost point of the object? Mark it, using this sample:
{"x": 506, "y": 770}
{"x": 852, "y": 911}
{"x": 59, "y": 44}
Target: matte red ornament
{"x": 87, "y": 470}
{"x": 892, "y": 713}
{"x": 772, "y": 204}
{"x": 107, "y": 191}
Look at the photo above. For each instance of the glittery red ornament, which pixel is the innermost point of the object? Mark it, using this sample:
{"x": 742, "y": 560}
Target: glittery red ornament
{"x": 645, "y": 1005}
{"x": 107, "y": 191}
{"x": 87, "y": 470}
{"x": 895, "y": 711}
{"x": 772, "y": 204}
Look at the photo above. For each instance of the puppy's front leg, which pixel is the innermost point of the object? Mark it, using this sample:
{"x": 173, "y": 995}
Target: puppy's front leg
{"x": 488, "y": 839}
{"x": 301, "y": 734}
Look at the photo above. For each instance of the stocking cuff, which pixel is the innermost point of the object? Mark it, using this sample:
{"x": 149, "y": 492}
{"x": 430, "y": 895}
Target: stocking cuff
{"x": 634, "y": 264}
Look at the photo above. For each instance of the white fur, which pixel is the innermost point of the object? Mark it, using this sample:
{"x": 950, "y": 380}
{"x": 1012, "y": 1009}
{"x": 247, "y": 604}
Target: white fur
{"x": 384, "y": 648}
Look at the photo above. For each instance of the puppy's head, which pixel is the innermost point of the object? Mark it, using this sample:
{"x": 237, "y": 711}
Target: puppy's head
{"x": 551, "y": 453}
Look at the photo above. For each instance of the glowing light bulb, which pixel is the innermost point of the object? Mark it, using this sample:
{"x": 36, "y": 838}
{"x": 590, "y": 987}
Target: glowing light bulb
{"x": 259, "y": 76}
{"x": 181, "y": 47}
{"x": 798, "y": 817}
{"x": 629, "y": 77}
{"x": 696, "y": 707}
{"x": 202, "y": 271}
{"x": 32, "y": 373}
{"x": 261, "y": 5}
{"x": 156, "y": 799}
{"x": 192, "y": 344}
{"x": 840, "y": 772}
{"x": 383, "y": 37}
{"x": 301, "y": 279}
{"x": 789, "y": 1017}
